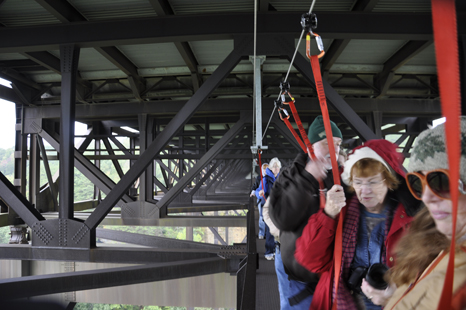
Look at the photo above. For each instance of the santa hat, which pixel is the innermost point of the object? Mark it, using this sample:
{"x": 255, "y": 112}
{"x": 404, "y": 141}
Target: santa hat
{"x": 380, "y": 150}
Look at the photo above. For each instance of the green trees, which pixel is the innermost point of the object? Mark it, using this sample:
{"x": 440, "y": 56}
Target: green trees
{"x": 7, "y": 163}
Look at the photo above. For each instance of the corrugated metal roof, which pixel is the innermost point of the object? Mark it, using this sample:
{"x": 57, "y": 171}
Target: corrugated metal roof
{"x": 369, "y": 51}
{"x": 11, "y": 56}
{"x": 153, "y": 55}
{"x": 211, "y": 52}
{"x": 305, "y": 5}
{"x": 16, "y": 13}
{"x": 414, "y": 6}
{"x": 181, "y": 7}
{"x": 90, "y": 60}
{"x": 104, "y": 9}
{"x": 426, "y": 57}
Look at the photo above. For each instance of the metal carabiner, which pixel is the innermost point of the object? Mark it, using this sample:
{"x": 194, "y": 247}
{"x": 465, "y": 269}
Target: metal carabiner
{"x": 285, "y": 112}
{"x": 289, "y": 95}
{"x": 320, "y": 45}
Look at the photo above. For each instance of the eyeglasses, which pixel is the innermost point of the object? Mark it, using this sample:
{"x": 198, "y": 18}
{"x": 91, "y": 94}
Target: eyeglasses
{"x": 372, "y": 184}
{"x": 437, "y": 180}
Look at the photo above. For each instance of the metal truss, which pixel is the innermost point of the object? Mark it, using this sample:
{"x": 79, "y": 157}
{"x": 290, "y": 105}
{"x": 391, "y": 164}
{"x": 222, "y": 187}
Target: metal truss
{"x": 203, "y": 169}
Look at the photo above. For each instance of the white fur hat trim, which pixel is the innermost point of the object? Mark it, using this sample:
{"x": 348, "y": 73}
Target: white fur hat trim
{"x": 364, "y": 152}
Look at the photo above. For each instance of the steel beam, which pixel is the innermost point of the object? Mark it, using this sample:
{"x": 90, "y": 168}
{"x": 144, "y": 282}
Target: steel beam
{"x": 9, "y": 94}
{"x": 16, "y": 201}
{"x": 172, "y": 193}
{"x": 414, "y": 26}
{"x": 402, "y": 56}
{"x": 410, "y": 107}
{"x": 166, "y": 168}
{"x": 85, "y": 280}
{"x": 170, "y": 130}
{"x": 205, "y": 177}
{"x": 153, "y": 241}
{"x": 95, "y": 175}
{"x": 338, "y": 103}
{"x": 69, "y": 72}
{"x": 121, "y": 62}
{"x": 115, "y": 162}
{"x": 170, "y": 221}
{"x": 62, "y": 10}
{"x": 66, "y": 13}
{"x": 52, "y": 63}
{"x": 48, "y": 172}
{"x": 119, "y": 255}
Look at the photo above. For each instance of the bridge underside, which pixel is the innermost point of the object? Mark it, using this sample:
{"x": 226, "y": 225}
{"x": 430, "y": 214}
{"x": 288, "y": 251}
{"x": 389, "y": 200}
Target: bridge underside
{"x": 169, "y": 144}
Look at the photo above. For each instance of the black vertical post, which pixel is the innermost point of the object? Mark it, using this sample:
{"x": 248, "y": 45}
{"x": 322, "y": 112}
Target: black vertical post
{"x": 462, "y": 62}
{"x": 69, "y": 57}
{"x": 34, "y": 170}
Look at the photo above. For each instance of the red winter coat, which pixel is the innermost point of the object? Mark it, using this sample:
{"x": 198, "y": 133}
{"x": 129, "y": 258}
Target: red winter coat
{"x": 314, "y": 250}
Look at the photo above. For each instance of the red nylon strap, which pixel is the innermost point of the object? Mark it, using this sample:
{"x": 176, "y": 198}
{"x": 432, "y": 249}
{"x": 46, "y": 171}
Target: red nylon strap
{"x": 295, "y": 135}
{"x": 446, "y": 54}
{"x": 259, "y": 152}
{"x": 310, "y": 150}
{"x": 303, "y": 133}
{"x": 323, "y": 106}
{"x": 338, "y": 251}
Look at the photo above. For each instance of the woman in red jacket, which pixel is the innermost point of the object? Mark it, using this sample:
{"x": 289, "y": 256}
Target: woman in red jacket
{"x": 375, "y": 217}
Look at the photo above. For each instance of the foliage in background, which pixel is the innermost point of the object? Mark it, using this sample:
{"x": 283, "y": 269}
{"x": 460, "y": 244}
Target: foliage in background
{"x": 7, "y": 163}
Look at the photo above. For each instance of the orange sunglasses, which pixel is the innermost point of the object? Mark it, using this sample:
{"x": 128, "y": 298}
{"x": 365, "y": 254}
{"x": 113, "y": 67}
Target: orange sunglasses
{"x": 437, "y": 180}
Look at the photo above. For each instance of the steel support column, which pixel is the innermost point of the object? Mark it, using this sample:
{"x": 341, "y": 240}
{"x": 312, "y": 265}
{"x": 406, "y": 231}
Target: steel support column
{"x": 69, "y": 57}
{"x": 48, "y": 172}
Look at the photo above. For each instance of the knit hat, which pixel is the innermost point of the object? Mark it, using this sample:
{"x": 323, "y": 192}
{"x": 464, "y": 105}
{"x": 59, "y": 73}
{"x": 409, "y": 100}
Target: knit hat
{"x": 380, "y": 150}
{"x": 429, "y": 151}
{"x": 316, "y": 131}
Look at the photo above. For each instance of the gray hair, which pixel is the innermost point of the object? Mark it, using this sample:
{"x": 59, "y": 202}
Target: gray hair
{"x": 275, "y": 162}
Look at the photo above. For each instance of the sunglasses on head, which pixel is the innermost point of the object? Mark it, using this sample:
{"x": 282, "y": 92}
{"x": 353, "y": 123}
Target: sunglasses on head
{"x": 437, "y": 180}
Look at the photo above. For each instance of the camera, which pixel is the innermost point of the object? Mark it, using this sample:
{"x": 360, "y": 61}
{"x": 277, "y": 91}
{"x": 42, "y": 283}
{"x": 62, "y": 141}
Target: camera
{"x": 373, "y": 275}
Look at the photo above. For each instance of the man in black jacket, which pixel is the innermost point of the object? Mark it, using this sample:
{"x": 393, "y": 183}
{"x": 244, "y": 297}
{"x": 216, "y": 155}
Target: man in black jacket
{"x": 294, "y": 198}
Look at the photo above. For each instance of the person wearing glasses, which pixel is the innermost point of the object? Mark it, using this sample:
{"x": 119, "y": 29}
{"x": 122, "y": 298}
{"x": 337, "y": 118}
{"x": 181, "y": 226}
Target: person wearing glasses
{"x": 423, "y": 254}
{"x": 378, "y": 208}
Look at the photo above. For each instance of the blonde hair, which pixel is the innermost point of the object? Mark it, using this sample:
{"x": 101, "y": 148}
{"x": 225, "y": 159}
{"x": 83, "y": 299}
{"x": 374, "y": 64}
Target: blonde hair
{"x": 417, "y": 249}
{"x": 366, "y": 168}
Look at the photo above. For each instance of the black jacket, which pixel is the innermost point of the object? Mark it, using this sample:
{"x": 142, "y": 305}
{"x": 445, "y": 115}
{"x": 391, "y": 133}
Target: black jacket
{"x": 294, "y": 198}
{"x": 257, "y": 183}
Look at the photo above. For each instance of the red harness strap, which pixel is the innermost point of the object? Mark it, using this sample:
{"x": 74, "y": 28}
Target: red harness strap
{"x": 286, "y": 120}
{"x": 446, "y": 53}
{"x": 338, "y": 250}
{"x": 308, "y": 148}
